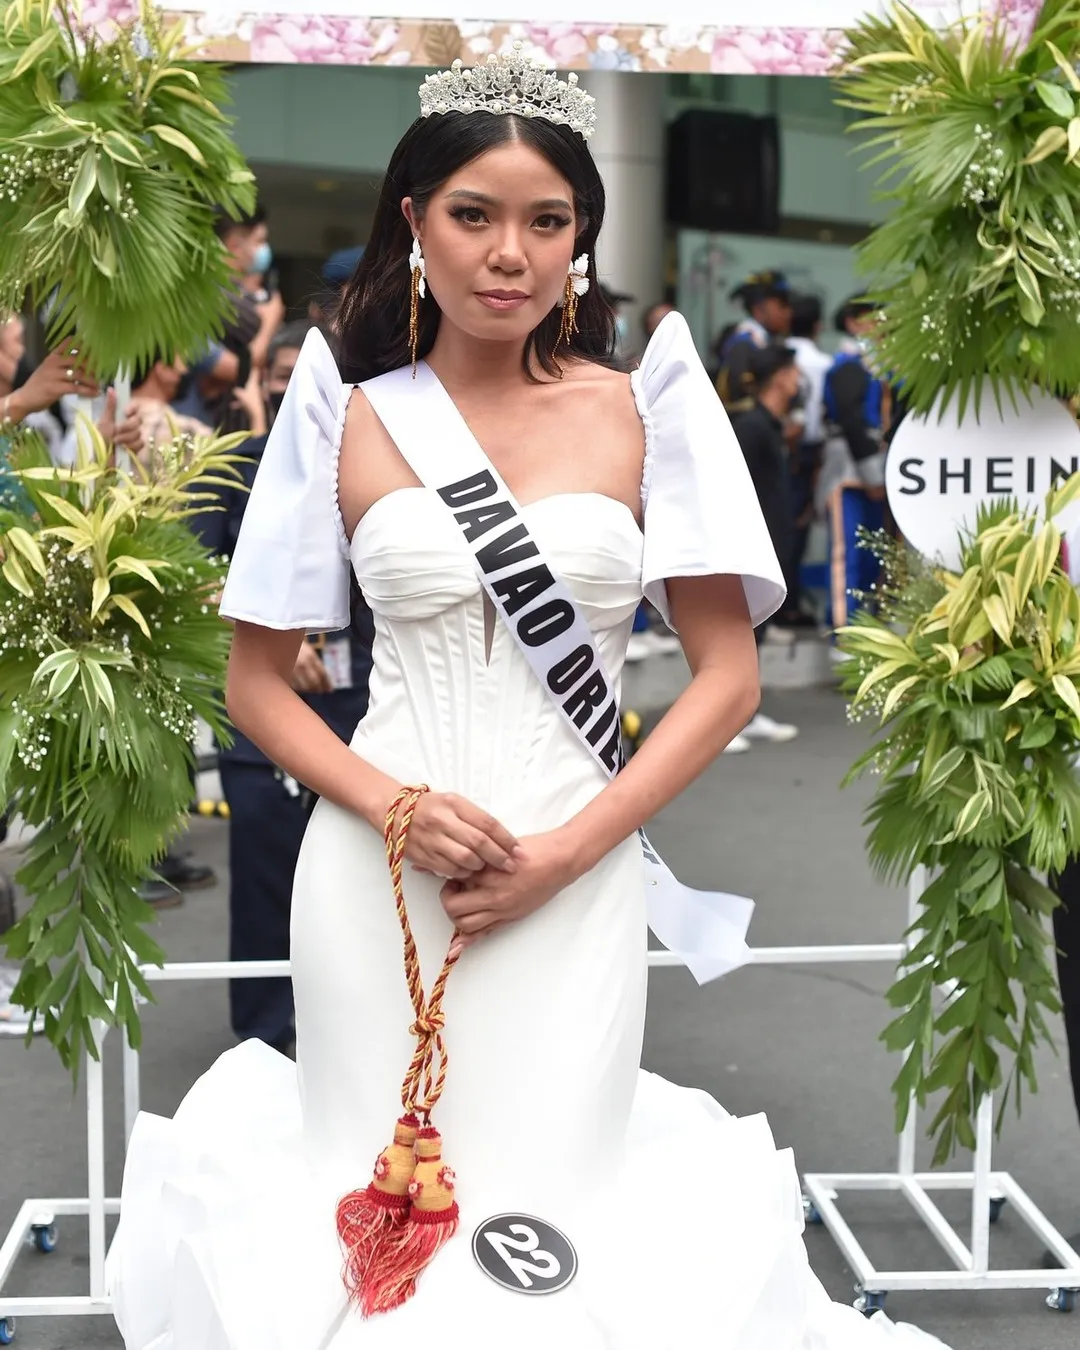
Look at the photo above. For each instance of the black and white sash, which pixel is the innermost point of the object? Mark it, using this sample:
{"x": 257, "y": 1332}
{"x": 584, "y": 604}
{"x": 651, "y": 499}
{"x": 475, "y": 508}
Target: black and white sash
{"x": 706, "y": 929}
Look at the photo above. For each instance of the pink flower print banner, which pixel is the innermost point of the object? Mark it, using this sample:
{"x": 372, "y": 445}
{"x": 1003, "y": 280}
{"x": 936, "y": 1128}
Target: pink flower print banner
{"x": 789, "y": 37}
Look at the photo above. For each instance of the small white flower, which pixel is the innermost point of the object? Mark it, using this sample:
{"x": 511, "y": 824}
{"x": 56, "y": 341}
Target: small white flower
{"x": 416, "y": 262}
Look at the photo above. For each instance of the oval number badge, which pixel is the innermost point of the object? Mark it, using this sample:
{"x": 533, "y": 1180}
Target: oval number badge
{"x": 524, "y": 1254}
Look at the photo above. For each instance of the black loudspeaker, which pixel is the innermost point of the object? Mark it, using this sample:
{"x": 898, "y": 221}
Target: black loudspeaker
{"x": 723, "y": 172}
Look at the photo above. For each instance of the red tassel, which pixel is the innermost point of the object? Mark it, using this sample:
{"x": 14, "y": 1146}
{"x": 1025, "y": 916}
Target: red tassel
{"x": 367, "y": 1220}
{"x": 433, "y": 1220}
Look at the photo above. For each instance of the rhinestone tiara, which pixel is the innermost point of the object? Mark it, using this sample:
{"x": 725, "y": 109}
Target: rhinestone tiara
{"x": 510, "y": 83}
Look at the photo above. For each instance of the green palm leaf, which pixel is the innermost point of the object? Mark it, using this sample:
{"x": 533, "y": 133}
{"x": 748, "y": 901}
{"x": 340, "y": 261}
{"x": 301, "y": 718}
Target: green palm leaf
{"x": 114, "y": 156}
{"x": 977, "y": 269}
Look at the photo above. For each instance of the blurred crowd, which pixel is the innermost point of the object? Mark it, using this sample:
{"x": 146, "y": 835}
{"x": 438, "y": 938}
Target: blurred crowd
{"x": 813, "y": 419}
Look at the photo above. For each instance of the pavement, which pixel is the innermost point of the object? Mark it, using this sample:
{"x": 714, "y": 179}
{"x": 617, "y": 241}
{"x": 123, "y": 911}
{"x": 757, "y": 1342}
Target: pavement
{"x": 799, "y": 1043}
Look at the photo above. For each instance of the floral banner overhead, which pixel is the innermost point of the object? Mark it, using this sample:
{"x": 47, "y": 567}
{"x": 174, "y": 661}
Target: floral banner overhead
{"x": 790, "y": 37}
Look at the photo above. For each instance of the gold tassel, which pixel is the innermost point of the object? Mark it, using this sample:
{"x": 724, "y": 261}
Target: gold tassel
{"x": 568, "y": 326}
{"x": 414, "y": 315}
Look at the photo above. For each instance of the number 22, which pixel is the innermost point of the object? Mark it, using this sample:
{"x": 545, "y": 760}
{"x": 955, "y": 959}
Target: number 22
{"x": 530, "y": 1245}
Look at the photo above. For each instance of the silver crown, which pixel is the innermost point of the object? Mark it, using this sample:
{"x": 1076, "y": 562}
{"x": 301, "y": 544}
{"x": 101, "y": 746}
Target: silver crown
{"x": 510, "y": 83}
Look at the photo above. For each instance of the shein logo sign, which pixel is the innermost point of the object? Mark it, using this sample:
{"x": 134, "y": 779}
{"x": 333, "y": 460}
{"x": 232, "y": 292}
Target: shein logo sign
{"x": 938, "y": 474}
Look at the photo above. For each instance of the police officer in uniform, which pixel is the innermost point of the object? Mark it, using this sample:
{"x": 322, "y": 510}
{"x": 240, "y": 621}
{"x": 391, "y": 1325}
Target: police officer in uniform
{"x": 268, "y": 810}
{"x": 766, "y": 298}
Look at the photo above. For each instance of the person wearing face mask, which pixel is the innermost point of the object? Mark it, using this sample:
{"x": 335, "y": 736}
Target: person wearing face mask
{"x": 247, "y": 243}
{"x": 268, "y": 810}
{"x": 222, "y": 387}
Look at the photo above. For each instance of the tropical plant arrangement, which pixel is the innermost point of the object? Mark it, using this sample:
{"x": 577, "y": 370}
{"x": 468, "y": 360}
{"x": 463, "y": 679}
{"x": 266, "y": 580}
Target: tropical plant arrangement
{"x": 977, "y": 268}
{"x": 110, "y": 647}
{"x": 974, "y": 678}
{"x": 113, "y": 157}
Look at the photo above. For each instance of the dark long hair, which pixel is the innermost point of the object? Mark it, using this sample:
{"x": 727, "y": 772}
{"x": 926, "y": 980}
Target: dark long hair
{"x": 373, "y": 320}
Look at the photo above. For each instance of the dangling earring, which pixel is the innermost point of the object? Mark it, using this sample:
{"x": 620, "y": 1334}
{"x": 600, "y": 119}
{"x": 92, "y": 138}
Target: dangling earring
{"x": 577, "y": 283}
{"x": 417, "y": 291}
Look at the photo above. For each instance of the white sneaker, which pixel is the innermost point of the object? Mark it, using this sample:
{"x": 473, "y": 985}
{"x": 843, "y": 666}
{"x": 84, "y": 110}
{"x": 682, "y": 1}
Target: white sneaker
{"x": 738, "y": 745}
{"x": 663, "y": 642}
{"x": 762, "y": 728}
{"x": 638, "y": 648}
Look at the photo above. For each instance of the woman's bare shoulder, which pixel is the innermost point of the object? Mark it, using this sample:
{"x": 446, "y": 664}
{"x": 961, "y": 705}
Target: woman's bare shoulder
{"x": 370, "y": 465}
{"x": 610, "y": 395}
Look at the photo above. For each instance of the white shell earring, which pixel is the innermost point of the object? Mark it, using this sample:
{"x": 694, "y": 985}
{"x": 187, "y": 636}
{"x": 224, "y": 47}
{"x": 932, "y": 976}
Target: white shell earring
{"x": 577, "y": 283}
{"x": 577, "y": 279}
{"x": 417, "y": 265}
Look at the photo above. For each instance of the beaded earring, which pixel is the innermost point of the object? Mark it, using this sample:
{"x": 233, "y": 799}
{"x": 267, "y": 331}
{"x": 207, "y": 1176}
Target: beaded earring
{"x": 417, "y": 291}
{"x": 577, "y": 283}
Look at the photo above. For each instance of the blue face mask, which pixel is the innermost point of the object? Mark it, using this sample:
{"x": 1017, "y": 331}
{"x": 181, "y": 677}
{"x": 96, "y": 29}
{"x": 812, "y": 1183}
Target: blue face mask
{"x": 260, "y": 262}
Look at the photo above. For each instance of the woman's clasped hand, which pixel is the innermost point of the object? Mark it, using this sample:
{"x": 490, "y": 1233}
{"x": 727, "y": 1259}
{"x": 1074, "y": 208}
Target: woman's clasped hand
{"x": 489, "y": 899}
{"x": 492, "y": 877}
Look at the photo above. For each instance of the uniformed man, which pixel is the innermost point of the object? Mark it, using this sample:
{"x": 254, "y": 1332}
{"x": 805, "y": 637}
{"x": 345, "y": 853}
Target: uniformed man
{"x": 766, "y": 298}
{"x": 268, "y": 810}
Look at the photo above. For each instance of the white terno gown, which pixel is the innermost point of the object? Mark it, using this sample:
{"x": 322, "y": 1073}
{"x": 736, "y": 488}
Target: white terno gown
{"x": 687, "y": 1222}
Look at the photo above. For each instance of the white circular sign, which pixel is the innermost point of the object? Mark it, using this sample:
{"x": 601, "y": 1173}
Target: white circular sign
{"x": 938, "y": 473}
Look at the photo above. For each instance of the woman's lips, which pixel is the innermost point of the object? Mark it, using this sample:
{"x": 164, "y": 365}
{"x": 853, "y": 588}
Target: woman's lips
{"x": 502, "y": 300}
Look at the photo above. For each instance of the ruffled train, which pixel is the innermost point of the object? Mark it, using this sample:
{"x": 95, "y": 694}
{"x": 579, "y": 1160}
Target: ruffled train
{"x": 227, "y": 1240}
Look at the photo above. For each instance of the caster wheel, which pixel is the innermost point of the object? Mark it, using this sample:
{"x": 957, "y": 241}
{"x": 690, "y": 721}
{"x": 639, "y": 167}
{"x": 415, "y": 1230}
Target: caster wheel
{"x": 45, "y": 1237}
{"x": 811, "y": 1213}
{"x": 997, "y": 1204}
{"x": 1062, "y": 1300}
{"x": 7, "y": 1330}
{"x": 869, "y": 1301}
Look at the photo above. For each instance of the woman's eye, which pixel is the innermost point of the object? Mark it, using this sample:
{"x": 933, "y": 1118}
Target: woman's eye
{"x": 471, "y": 215}
{"x": 550, "y": 222}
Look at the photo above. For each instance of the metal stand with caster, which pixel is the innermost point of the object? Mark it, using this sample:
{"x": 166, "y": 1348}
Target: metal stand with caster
{"x": 811, "y": 1213}
{"x": 869, "y": 1301}
{"x": 989, "y": 1191}
{"x": 35, "y": 1224}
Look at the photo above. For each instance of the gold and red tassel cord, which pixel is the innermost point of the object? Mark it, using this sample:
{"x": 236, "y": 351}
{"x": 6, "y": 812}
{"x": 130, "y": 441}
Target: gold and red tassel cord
{"x": 365, "y": 1218}
{"x": 394, "y": 1229}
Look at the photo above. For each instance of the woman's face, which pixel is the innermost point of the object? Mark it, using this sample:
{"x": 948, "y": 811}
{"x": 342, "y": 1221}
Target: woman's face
{"x": 498, "y": 239}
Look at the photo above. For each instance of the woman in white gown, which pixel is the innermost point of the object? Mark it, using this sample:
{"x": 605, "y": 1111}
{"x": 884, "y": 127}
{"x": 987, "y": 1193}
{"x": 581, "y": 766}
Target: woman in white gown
{"x": 686, "y": 1222}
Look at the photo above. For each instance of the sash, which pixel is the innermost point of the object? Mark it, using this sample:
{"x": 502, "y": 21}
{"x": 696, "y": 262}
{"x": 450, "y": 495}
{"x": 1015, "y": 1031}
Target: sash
{"x": 705, "y": 929}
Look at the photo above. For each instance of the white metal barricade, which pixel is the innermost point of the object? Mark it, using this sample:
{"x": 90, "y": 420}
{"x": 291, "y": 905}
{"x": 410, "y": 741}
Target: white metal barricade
{"x": 35, "y": 1221}
{"x": 990, "y": 1191}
